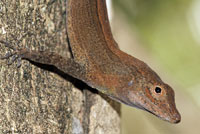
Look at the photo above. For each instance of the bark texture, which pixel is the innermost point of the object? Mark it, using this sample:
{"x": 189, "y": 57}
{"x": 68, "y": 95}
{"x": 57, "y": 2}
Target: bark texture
{"x": 37, "y": 98}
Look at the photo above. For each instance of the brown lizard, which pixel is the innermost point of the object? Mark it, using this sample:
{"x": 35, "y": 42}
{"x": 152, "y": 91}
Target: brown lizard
{"x": 99, "y": 62}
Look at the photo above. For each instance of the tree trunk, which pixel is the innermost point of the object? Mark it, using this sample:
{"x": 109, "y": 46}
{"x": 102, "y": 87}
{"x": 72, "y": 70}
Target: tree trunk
{"x": 37, "y": 98}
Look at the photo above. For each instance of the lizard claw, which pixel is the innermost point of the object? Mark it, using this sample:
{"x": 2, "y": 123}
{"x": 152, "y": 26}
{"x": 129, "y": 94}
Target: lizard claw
{"x": 7, "y": 45}
{"x": 13, "y": 55}
{"x": 13, "y": 59}
{"x": 8, "y": 54}
{"x": 19, "y": 62}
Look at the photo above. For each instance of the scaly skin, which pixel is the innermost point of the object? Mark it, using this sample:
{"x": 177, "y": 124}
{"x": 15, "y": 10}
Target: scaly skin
{"x": 102, "y": 65}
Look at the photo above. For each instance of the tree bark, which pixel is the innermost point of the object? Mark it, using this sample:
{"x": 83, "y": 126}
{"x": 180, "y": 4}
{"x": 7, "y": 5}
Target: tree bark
{"x": 35, "y": 98}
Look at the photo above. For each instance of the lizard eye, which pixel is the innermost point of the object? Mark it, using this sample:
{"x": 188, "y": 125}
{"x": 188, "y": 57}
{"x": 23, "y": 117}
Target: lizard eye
{"x": 158, "y": 90}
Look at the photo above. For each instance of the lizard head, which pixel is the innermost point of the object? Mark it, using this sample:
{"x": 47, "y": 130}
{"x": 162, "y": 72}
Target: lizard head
{"x": 148, "y": 92}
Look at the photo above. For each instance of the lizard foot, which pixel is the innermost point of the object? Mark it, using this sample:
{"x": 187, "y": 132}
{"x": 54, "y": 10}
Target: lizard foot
{"x": 13, "y": 56}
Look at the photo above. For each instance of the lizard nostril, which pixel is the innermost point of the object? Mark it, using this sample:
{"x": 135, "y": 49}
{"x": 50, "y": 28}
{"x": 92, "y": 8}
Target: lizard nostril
{"x": 177, "y": 118}
{"x": 177, "y": 121}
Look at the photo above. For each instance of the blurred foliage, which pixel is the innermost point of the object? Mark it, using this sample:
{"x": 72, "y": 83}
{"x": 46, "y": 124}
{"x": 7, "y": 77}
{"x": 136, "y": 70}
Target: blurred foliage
{"x": 169, "y": 31}
{"x": 164, "y": 29}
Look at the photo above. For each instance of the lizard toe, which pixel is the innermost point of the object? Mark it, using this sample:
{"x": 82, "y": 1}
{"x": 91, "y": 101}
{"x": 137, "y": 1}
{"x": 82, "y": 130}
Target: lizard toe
{"x": 13, "y": 56}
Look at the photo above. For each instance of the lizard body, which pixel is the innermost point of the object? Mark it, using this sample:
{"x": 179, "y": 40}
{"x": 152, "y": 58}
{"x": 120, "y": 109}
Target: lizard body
{"x": 99, "y": 62}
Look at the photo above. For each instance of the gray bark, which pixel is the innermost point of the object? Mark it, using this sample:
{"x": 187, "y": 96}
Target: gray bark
{"x": 35, "y": 99}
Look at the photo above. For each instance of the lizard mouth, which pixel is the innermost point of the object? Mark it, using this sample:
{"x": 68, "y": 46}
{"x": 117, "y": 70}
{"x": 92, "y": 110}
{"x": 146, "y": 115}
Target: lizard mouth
{"x": 171, "y": 117}
{"x": 175, "y": 118}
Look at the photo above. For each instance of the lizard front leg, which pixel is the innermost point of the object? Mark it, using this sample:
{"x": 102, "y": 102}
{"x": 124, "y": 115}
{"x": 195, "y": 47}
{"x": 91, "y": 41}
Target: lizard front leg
{"x": 67, "y": 65}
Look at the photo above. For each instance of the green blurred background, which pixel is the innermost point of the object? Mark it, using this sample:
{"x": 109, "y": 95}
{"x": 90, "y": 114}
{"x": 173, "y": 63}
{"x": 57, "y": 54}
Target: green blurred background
{"x": 166, "y": 35}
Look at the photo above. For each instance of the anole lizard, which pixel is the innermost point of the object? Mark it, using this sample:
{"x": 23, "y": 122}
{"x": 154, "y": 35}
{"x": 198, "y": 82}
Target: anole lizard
{"x": 99, "y": 62}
